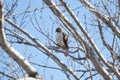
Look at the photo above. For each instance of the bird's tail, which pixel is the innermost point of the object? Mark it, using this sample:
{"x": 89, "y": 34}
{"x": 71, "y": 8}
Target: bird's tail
{"x": 66, "y": 52}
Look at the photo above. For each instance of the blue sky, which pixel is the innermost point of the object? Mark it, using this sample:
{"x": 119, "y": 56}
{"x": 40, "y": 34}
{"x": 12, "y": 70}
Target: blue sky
{"x": 48, "y": 23}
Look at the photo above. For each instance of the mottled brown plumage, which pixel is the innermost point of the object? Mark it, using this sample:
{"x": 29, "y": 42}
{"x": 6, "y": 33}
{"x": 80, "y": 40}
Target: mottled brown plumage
{"x": 62, "y": 40}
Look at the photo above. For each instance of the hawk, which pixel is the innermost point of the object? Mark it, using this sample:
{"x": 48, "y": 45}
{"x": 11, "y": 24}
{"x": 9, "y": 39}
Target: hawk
{"x": 62, "y": 41}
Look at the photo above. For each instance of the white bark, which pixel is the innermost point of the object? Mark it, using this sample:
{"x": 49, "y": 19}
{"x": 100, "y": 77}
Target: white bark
{"x": 89, "y": 51}
{"x": 27, "y": 78}
{"x": 14, "y": 54}
{"x": 47, "y": 52}
{"x": 111, "y": 25}
{"x": 102, "y": 17}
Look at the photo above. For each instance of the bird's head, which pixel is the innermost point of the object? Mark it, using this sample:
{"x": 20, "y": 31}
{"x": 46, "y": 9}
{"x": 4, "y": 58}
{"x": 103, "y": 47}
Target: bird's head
{"x": 59, "y": 30}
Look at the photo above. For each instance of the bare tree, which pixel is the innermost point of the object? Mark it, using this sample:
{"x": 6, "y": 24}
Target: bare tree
{"x": 29, "y": 50}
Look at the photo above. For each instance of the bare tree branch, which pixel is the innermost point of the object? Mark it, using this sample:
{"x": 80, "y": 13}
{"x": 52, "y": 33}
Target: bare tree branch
{"x": 87, "y": 48}
{"x": 99, "y": 15}
{"x": 15, "y": 55}
{"x": 47, "y": 52}
{"x": 94, "y": 39}
{"x": 104, "y": 42}
{"x": 118, "y": 10}
{"x": 114, "y": 28}
{"x": 7, "y": 75}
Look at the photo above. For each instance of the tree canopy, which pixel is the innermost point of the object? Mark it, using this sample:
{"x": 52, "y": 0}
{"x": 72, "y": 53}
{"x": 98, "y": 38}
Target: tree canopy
{"x": 28, "y": 44}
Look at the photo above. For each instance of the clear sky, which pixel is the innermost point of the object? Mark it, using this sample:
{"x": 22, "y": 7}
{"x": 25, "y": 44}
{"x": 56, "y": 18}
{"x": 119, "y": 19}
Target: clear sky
{"x": 48, "y": 22}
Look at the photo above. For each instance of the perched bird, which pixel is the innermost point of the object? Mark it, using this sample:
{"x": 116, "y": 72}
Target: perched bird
{"x": 62, "y": 41}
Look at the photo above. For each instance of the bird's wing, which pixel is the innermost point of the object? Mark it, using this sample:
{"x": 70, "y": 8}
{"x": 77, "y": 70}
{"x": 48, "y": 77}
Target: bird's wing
{"x": 65, "y": 40}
